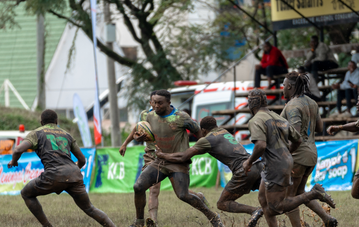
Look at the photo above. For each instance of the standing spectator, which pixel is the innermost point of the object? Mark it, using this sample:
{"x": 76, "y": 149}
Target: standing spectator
{"x": 313, "y": 87}
{"x": 355, "y": 57}
{"x": 348, "y": 89}
{"x": 320, "y": 58}
{"x": 272, "y": 63}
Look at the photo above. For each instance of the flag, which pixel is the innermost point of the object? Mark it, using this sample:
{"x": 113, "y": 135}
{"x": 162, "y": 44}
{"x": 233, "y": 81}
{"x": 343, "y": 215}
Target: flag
{"x": 96, "y": 107}
{"x": 81, "y": 116}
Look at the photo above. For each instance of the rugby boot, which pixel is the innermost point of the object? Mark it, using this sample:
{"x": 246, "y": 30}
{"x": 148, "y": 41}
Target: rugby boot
{"x": 256, "y": 215}
{"x": 332, "y": 222}
{"x": 324, "y": 197}
{"x": 216, "y": 221}
{"x": 203, "y": 198}
{"x": 138, "y": 223}
{"x": 150, "y": 223}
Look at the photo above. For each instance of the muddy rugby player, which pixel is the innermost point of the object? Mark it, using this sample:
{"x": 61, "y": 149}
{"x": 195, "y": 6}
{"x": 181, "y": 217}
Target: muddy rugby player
{"x": 220, "y": 144}
{"x": 53, "y": 146}
{"x": 303, "y": 114}
{"x": 169, "y": 127}
{"x": 350, "y": 127}
{"x": 271, "y": 134}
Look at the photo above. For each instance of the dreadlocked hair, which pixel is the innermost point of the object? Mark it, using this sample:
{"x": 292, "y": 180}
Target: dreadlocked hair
{"x": 300, "y": 81}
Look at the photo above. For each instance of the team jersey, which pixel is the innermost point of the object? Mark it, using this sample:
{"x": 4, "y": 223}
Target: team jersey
{"x": 170, "y": 130}
{"x": 150, "y": 146}
{"x": 53, "y": 146}
{"x": 220, "y": 144}
{"x": 303, "y": 112}
{"x": 276, "y": 132}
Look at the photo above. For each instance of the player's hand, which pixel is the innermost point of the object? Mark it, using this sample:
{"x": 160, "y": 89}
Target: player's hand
{"x": 12, "y": 164}
{"x": 335, "y": 86}
{"x": 140, "y": 137}
{"x": 258, "y": 67}
{"x": 159, "y": 152}
{"x": 333, "y": 129}
{"x": 122, "y": 150}
{"x": 247, "y": 166}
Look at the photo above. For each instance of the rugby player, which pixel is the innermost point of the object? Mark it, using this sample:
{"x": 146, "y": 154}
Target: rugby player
{"x": 271, "y": 134}
{"x": 53, "y": 146}
{"x": 169, "y": 127}
{"x": 350, "y": 127}
{"x": 302, "y": 113}
{"x": 223, "y": 146}
{"x": 148, "y": 157}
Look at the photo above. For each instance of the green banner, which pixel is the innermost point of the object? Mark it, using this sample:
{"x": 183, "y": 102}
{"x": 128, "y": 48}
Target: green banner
{"x": 114, "y": 173}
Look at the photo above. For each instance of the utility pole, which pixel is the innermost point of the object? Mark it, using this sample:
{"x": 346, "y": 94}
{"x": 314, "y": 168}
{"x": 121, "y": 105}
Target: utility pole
{"x": 114, "y": 113}
{"x": 41, "y": 97}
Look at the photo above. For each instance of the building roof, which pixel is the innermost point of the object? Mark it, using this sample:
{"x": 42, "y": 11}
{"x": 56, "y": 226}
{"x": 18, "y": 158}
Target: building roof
{"x": 18, "y": 54}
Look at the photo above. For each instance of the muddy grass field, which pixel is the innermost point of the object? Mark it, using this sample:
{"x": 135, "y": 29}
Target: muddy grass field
{"x": 62, "y": 211}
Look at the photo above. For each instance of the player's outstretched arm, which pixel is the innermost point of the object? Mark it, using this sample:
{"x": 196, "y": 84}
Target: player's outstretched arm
{"x": 127, "y": 141}
{"x": 78, "y": 154}
{"x": 24, "y": 146}
{"x": 178, "y": 157}
{"x": 258, "y": 151}
{"x": 351, "y": 127}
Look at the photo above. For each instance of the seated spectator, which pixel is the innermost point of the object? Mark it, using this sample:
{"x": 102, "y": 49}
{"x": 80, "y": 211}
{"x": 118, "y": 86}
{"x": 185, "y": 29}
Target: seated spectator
{"x": 355, "y": 57}
{"x": 320, "y": 58}
{"x": 313, "y": 87}
{"x": 348, "y": 89}
{"x": 272, "y": 63}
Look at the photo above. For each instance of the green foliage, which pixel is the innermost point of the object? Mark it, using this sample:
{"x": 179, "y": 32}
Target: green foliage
{"x": 7, "y": 15}
{"x": 11, "y": 118}
{"x": 42, "y": 6}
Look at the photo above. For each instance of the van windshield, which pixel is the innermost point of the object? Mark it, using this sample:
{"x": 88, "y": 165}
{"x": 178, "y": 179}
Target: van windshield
{"x": 206, "y": 110}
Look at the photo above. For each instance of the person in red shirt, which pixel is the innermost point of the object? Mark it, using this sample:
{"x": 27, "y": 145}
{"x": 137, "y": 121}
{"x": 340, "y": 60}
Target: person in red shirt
{"x": 272, "y": 63}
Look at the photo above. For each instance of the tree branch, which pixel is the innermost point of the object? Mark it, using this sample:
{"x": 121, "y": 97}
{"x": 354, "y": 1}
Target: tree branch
{"x": 64, "y": 17}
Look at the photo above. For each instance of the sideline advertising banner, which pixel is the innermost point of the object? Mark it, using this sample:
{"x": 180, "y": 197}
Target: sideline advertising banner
{"x": 114, "y": 173}
{"x": 335, "y": 167}
{"x": 320, "y": 12}
{"x": 14, "y": 179}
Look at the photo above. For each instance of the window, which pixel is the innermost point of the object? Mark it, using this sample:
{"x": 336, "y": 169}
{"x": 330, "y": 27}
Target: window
{"x": 206, "y": 110}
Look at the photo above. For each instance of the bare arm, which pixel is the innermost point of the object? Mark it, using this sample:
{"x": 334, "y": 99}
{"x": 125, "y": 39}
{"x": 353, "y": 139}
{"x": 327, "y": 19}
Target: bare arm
{"x": 258, "y": 151}
{"x": 294, "y": 145}
{"x": 127, "y": 141}
{"x": 24, "y": 146}
{"x": 199, "y": 134}
{"x": 178, "y": 157}
{"x": 81, "y": 160}
{"x": 350, "y": 127}
{"x": 319, "y": 124}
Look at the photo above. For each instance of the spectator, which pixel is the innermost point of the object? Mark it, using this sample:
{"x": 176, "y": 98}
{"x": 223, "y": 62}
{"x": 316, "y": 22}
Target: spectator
{"x": 320, "y": 58}
{"x": 272, "y": 63}
{"x": 313, "y": 87}
{"x": 348, "y": 89}
{"x": 355, "y": 57}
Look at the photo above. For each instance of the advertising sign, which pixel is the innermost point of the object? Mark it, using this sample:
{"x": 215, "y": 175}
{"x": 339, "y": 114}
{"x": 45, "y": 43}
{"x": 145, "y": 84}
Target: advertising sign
{"x": 320, "y": 12}
{"x": 14, "y": 179}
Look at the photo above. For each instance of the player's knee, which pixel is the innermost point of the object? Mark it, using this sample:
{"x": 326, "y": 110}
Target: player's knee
{"x": 221, "y": 205}
{"x": 89, "y": 210}
{"x": 262, "y": 201}
{"x": 155, "y": 191}
{"x": 182, "y": 196}
{"x": 24, "y": 194}
{"x": 355, "y": 193}
{"x": 137, "y": 188}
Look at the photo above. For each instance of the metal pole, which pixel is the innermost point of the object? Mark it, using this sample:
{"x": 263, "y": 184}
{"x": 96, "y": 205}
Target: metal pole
{"x": 112, "y": 96}
{"x": 292, "y": 8}
{"x": 349, "y": 7}
{"x": 321, "y": 34}
{"x": 234, "y": 98}
{"x": 41, "y": 97}
{"x": 250, "y": 16}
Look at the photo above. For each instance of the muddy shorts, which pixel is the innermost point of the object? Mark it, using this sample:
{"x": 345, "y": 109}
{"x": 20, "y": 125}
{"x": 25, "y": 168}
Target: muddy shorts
{"x": 148, "y": 158}
{"x": 301, "y": 171}
{"x": 44, "y": 186}
{"x": 168, "y": 167}
{"x": 241, "y": 183}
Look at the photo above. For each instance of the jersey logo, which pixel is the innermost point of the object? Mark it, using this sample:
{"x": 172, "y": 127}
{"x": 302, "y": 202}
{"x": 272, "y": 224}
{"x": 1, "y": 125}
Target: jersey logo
{"x": 230, "y": 138}
{"x": 58, "y": 143}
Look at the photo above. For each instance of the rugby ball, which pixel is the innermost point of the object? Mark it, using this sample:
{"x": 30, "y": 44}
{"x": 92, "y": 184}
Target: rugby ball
{"x": 144, "y": 127}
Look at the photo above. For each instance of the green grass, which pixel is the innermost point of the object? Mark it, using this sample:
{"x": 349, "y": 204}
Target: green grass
{"x": 62, "y": 211}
